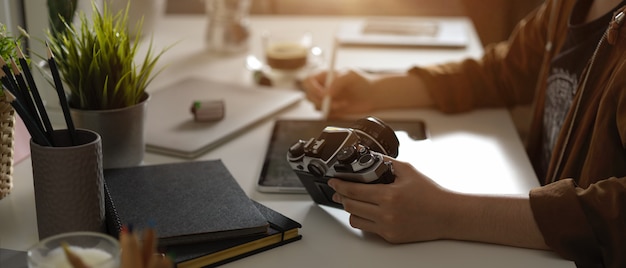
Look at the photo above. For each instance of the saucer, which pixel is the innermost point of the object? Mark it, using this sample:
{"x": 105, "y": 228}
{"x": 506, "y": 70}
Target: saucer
{"x": 287, "y": 78}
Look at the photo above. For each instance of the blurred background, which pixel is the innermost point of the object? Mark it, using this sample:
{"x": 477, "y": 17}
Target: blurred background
{"x": 493, "y": 19}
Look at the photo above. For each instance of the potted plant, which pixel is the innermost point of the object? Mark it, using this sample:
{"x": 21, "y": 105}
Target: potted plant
{"x": 107, "y": 89}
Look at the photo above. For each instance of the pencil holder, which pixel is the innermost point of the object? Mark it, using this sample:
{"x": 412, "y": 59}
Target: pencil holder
{"x": 68, "y": 183}
{"x": 7, "y": 123}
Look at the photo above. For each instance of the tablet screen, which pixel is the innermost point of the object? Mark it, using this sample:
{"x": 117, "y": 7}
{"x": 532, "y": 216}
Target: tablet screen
{"x": 277, "y": 175}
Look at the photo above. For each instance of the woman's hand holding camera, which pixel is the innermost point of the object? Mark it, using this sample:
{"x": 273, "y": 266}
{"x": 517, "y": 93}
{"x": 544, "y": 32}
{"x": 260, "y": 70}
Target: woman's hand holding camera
{"x": 413, "y": 208}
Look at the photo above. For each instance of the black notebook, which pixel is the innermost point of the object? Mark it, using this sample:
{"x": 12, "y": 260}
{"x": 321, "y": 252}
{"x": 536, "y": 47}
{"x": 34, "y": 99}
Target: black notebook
{"x": 186, "y": 202}
{"x": 283, "y": 230}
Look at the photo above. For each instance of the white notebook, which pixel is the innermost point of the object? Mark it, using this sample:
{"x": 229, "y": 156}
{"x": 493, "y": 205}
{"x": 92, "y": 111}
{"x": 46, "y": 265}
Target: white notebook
{"x": 170, "y": 125}
{"x": 404, "y": 32}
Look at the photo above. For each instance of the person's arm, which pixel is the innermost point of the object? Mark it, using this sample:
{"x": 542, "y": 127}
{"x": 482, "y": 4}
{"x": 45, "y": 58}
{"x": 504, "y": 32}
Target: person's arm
{"x": 586, "y": 225}
{"x": 401, "y": 91}
{"x": 414, "y": 208}
{"x": 505, "y": 220}
{"x": 354, "y": 91}
{"x": 506, "y": 75}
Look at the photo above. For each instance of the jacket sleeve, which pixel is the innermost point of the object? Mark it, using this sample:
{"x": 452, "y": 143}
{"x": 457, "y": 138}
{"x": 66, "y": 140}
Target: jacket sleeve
{"x": 505, "y": 76}
{"x": 586, "y": 221}
{"x": 593, "y": 234}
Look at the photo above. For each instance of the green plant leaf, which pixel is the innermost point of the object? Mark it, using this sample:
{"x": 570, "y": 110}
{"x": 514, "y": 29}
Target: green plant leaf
{"x": 60, "y": 11}
{"x": 97, "y": 60}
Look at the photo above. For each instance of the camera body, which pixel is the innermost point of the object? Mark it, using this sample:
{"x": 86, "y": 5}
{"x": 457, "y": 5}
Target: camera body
{"x": 354, "y": 154}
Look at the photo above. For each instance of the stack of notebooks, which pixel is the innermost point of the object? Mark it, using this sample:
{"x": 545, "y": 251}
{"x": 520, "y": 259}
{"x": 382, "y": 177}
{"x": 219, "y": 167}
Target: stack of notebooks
{"x": 201, "y": 215}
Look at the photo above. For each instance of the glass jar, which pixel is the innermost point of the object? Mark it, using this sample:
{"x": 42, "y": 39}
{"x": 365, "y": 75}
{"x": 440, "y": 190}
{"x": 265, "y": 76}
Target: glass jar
{"x": 227, "y": 29}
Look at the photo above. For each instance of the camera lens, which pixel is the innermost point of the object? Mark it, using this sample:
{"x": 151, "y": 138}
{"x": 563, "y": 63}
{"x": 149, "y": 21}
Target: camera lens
{"x": 376, "y": 135}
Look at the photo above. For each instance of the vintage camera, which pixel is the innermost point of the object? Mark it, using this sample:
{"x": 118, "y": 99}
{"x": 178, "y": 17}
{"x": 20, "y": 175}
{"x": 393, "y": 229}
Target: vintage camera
{"x": 353, "y": 154}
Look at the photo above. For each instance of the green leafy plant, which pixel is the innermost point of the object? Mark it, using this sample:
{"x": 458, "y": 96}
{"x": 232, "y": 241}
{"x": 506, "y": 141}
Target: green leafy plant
{"x": 97, "y": 61}
{"x": 60, "y": 11}
{"x": 7, "y": 47}
{"x": 7, "y": 43}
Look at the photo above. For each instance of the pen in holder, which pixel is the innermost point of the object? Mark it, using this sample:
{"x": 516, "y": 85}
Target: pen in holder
{"x": 68, "y": 183}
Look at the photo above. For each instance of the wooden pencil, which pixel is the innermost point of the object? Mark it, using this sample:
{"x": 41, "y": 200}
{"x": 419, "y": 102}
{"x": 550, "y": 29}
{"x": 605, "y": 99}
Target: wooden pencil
{"x": 9, "y": 76}
{"x": 5, "y": 82}
{"x": 24, "y": 94}
{"x": 35, "y": 133}
{"x": 62, "y": 98}
{"x": 72, "y": 258}
{"x": 43, "y": 114}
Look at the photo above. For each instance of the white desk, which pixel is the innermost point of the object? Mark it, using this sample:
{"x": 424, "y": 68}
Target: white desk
{"x": 481, "y": 147}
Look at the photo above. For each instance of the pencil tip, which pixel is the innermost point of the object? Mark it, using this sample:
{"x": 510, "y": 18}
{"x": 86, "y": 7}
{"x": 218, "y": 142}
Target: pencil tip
{"x": 49, "y": 51}
{"x": 9, "y": 96}
{"x": 14, "y": 66}
{"x": 19, "y": 51}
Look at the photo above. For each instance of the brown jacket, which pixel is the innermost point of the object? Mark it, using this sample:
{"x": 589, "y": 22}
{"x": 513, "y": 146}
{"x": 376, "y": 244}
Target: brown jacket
{"x": 581, "y": 207}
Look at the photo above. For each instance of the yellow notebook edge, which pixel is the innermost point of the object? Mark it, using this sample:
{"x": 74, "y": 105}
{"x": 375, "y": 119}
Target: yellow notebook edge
{"x": 240, "y": 249}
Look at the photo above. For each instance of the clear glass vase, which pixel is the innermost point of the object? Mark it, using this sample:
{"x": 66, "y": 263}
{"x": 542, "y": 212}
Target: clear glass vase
{"x": 227, "y": 28}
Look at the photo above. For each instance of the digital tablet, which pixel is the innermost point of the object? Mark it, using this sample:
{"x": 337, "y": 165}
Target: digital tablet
{"x": 278, "y": 177}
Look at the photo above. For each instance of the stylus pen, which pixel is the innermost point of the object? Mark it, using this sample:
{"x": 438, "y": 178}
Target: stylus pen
{"x": 329, "y": 79}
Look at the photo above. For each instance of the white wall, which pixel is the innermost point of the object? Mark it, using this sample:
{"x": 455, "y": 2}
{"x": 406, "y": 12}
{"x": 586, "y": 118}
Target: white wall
{"x": 36, "y": 18}
{"x": 10, "y": 14}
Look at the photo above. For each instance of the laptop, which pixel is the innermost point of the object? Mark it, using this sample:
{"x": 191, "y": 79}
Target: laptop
{"x": 172, "y": 130}
{"x": 404, "y": 32}
{"x": 276, "y": 174}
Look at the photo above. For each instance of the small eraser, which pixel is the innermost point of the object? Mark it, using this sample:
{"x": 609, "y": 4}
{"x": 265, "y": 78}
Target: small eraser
{"x": 207, "y": 110}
